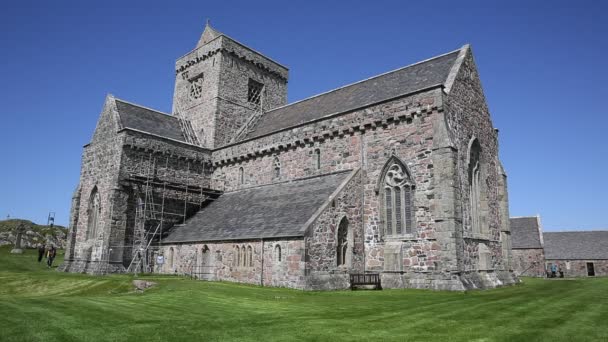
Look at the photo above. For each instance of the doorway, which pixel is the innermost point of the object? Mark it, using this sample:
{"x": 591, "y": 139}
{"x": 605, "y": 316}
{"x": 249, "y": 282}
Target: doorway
{"x": 590, "y": 269}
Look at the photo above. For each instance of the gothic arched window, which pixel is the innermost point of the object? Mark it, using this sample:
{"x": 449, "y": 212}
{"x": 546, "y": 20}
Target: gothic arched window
{"x": 171, "y": 256}
{"x": 277, "y": 252}
{"x": 94, "y": 213}
{"x": 397, "y": 198}
{"x": 342, "y": 246}
{"x": 250, "y": 256}
{"x": 241, "y": 176}
{"x": 237, "y": 260}
{"x": 475, "y": 186}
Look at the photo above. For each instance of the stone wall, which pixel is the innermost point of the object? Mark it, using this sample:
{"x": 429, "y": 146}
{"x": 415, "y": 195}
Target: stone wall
{"x": 366, "y": 139}
{"x": 99, "y": 173}
{"x": 267, "y": 267}
{"x": 529, "y": 262}
{"x": 578, "y": 268}
{"x": 468, "y": 118}
{"x": 344, "y": 206}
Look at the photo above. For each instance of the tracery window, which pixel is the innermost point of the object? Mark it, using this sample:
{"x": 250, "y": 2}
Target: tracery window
{"x": 94, "y": 213}
{"x": 397, "y": 199}
{"x": 342, "y": 246}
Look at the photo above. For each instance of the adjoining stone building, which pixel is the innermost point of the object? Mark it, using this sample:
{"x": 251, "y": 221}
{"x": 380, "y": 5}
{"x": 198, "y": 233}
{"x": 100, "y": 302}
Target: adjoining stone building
{"x": 397, "y": 174}
{"x": 527, "y": 246}
{"x": 578, "y": 253}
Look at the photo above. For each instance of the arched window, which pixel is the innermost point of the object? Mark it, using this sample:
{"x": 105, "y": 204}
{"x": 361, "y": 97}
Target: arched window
{"x": 94, "y": 213}
{"x": 237, "y": 261}
{"x": 277, "y": 167}
{"x": 342, "y": 246}
{"x": 171, "y": 256}
{"x": 316, "y": 159}
{"x": 475, "y": 186}
{"x": 241, "y": 176}
{"x": 250, "y": 256}
{"x": 243, "y": 256}
{"x": 397, "y": 198}
{"x": 277, "y": 253}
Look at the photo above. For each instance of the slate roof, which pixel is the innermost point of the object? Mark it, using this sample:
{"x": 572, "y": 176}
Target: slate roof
{"x": 525, "y": 233}
{"x": 276, "y": 210}
{"x": 148, "y": 120}
{"x": 373, "y": 90}
{"x": 576, "y": 245}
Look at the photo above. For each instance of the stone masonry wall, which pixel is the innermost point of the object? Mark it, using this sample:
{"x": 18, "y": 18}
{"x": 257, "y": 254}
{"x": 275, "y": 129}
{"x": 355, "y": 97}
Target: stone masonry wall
{"x": 578, "y": 268}
{"x": 529, "y": 262}
{"x": 99, "y": 170}
{"x": 322, "y": 270}
{"x": 222, "y": 263}
{"x": 365, "y": 138}
{"x": 468, "y": 117}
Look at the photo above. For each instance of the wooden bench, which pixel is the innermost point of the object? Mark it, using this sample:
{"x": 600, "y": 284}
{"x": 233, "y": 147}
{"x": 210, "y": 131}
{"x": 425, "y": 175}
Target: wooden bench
{"x": 365, "y": 279}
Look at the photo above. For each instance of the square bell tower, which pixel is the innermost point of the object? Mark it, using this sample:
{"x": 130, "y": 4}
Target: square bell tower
{"x": 222, "y": 85}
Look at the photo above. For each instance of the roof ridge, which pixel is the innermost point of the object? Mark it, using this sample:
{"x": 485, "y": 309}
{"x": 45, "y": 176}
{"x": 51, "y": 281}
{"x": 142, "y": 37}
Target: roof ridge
{"x": 144, "y": 107}
{"x": 366, "y": 79}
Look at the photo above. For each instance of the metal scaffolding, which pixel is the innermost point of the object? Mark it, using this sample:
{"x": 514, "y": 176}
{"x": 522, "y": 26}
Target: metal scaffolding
{"x": 152, "y": 214}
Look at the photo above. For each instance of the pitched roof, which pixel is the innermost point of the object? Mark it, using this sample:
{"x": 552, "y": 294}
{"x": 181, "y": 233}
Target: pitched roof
{"x": 525, "y": 233}
{"x": 276, "y": 210}
{"x": 380, "y": 88}
{"x": 576, "y": 245}
{"x": 148, "y": 120}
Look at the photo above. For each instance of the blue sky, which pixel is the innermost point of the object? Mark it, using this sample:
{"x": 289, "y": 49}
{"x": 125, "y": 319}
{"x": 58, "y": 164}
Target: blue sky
{"x": 542, "y": 67}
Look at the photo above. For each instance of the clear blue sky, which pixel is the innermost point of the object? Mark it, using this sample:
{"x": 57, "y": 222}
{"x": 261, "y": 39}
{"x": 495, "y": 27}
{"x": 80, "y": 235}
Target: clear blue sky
{"x": 543, "y": 68}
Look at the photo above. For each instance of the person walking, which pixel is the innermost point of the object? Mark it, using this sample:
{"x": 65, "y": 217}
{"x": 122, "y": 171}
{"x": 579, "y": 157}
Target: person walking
{"x": 50, "y": 256}
{"x": 553, "y": 270}
{"x": 41, "y": 250}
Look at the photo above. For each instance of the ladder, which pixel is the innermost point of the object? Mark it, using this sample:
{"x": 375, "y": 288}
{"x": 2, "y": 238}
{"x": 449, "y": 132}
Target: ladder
{"x": 185, "y": 125}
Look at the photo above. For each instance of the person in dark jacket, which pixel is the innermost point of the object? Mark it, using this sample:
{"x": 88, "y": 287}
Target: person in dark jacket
{"x": 50, "y": 256}
{"x": 41, "y": 250}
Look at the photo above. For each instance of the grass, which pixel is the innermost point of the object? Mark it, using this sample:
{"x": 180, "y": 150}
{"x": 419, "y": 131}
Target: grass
{"x": 38, "y": 304}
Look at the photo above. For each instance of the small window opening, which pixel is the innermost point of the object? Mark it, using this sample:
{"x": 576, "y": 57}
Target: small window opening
{"x": 317, "y": 159}
{"x": 254, "y": 93}
{"x": 277, "y": 167}
{"x": 277, "y": 252}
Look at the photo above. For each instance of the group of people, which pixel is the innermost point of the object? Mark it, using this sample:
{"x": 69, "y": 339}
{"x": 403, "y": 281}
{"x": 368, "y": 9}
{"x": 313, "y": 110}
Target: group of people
{"x": 554, "y": 270}
{"x": 48, "y": 252}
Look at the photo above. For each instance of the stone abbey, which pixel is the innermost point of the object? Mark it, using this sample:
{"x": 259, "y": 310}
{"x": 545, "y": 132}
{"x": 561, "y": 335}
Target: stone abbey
{"x": 396, "y": 175}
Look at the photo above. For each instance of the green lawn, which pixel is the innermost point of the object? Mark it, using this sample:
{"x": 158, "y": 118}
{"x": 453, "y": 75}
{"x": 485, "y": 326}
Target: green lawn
{"x": 38, "y": 304}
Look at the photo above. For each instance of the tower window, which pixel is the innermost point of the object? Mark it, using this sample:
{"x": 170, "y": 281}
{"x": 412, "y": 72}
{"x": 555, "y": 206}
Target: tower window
{"x": 254, "y": 93}
{"x": 196, "y": 87}
{"x": 277, "y": 167}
